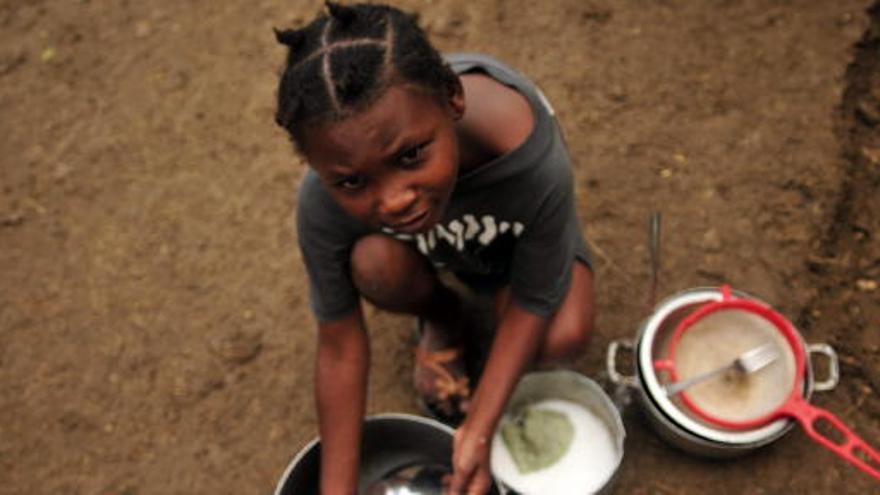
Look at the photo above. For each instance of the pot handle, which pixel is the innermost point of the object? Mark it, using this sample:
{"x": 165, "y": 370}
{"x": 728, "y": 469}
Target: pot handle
{"x": 833, "y": 366}
{"x": 611, "y": 363}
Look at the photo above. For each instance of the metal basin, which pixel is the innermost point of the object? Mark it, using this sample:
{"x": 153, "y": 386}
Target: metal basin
{"x": 391, "y": 442}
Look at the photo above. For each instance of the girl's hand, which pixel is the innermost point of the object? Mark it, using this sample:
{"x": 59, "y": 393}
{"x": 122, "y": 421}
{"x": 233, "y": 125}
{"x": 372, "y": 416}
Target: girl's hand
{"x": 470, "y": 461}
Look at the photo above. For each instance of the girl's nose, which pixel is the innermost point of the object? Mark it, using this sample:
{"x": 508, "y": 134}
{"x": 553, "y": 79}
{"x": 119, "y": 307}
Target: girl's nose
{"x": 396, "y": 201}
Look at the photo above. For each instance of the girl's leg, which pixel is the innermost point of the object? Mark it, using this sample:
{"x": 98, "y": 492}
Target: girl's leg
{"x": 572, "y": 324}
{"x": 394, "y": 276}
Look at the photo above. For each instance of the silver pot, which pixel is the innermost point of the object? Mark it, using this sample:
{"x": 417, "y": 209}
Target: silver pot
{"x": 678, "y": 428}
{"x": 390, "y": 442}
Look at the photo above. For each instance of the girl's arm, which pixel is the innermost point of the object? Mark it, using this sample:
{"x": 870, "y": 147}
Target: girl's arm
{"x": 343, "y": 361}
{"x": 515, "y": 346}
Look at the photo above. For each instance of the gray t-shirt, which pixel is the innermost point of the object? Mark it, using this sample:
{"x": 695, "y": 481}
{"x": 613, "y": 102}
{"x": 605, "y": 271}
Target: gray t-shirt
{"x": 510, "y": 221}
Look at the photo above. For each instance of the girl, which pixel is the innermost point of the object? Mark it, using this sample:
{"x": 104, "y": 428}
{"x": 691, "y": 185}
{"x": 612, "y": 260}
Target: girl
{"x": 419, "y": 164}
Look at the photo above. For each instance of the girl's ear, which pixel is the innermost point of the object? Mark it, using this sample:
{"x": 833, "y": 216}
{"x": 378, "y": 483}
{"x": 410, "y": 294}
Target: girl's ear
{"x": 455, "y": 99}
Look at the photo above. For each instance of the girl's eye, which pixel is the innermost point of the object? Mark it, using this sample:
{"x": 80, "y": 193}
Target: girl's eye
{"x": 412, "y": 155}
{"x": 353, "y": 182}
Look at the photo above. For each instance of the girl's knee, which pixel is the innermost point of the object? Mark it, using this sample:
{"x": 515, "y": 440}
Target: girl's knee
{"x": 567, "y": 338}
{"x": 387, "y": 271}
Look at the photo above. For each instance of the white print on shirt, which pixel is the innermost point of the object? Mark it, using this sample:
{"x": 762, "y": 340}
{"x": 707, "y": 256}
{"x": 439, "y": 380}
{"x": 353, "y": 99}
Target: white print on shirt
{"x": 459, "y": 232}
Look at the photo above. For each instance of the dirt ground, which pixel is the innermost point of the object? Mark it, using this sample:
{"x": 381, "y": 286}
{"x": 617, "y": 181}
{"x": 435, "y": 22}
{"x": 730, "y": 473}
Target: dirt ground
{"x": 154, "y": 330}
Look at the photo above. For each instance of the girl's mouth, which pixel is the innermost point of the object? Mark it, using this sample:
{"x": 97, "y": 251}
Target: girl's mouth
{"x": 413, "y": 224}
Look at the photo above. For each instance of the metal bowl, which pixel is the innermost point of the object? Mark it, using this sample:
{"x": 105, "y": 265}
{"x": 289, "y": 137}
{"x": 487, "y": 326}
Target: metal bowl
{"x": 391, "y": 442}
{"x": 574, "y": 387}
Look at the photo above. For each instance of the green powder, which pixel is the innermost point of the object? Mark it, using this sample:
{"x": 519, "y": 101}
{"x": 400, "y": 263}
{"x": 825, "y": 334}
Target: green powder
{"x": 538, "y": 438}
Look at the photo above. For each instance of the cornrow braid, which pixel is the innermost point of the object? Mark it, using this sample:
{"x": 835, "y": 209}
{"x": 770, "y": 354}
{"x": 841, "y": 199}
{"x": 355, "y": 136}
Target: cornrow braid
{"x": 345, "y": 59}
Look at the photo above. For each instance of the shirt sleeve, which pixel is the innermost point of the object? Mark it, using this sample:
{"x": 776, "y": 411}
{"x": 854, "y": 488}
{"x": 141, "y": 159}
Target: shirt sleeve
{"x": 543, "y": 257}
{"x": 326, "y": 235}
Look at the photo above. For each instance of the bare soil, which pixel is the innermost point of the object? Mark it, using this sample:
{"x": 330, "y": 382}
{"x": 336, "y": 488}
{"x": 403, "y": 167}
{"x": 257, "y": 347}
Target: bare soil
{"x": 155, "y": 336}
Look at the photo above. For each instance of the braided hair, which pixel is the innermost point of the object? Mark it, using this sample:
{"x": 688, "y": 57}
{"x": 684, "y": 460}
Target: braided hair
{"x": 345, "y": 59}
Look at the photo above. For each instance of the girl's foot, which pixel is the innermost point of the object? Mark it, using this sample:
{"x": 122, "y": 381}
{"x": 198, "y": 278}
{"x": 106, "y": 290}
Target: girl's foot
{"x": 440, "y": 375}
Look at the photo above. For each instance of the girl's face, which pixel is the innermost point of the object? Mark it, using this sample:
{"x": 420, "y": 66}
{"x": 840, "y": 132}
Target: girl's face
{"x": 394, "y": 164}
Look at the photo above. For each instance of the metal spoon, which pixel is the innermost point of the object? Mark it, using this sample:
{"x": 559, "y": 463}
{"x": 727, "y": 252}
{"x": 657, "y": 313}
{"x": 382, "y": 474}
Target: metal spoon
{"x": 654, "y": 250}
{"x": 414, "y": 479}
{"x": 747, "y": 363}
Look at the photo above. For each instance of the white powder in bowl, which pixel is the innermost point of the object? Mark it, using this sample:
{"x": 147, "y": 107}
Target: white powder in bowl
{"x": 585, "y": 468}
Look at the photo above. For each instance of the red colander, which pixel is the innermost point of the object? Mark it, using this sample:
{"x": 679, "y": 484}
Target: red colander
{"x": 851, "y": 448}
